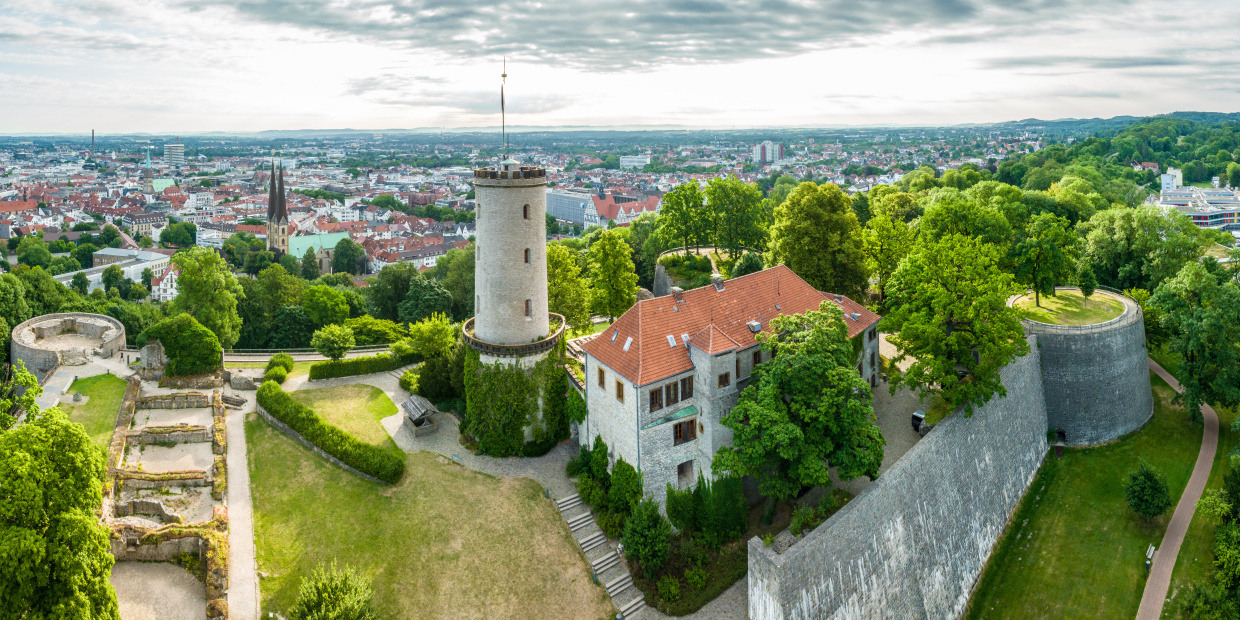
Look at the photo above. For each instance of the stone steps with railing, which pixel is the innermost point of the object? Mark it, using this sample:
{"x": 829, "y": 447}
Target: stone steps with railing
{"x": 608, "y": 568}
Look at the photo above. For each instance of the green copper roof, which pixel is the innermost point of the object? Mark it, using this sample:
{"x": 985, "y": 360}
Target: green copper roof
{"x": 683, "y": 413}
{"x": 297, "y": 245}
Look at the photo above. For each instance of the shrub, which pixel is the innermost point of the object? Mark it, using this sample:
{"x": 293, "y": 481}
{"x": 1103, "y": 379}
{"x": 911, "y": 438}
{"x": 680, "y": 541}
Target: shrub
{"x": 591, "y": 493}
{"x": 1146, "y": 490}
{"x": 277, "y": 374}
{"x": 577, "y": 465}
{"x": 363, "y": 365}
{"x": 366, "y": 458}
{"x": 647, "y": 537}
{"x": 612, "y": 524}
{"x": 829, "y": 503}
{"x": 748, "y": 263}
{"x": 598, "y": 462}
{"x": 368, "y": 330}
{"x": 190, "y": 348}
{"x": 281, "y": 359}
{"x": 409, "y": 381}
{"x": 696, "y": 577}
{"x": 626, "y": 487}
{"x": 716, "y": 509}
{"x": 333, "y": 594}
{"x": 333, "y": 341}
{"x": 691, "y": 552}
{"x": 768, "y": 539}
{"x": 669, "y": 589}
{"x": 802, "y": 519}
{"x": 680, "y": 512}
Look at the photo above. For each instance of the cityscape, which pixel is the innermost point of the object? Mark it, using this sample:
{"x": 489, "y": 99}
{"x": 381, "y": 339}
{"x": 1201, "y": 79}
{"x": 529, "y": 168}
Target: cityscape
{"x": 573, "y": 311}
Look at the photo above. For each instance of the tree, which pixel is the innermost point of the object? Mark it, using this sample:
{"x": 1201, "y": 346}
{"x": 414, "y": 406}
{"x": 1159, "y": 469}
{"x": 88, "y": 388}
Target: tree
{"x": 290, "y": 264}
{"x": 325, "y": 305}
{"x": 647, "y": 537}
{"x": 333, "y": 594}
{"x": 612, "y": 277}
{"x": 57, "y": 549}
{"x": 257, "y": 261}
{"x": 137, "y": 292}
{"x": 333, "y": 341}
{"x": 84, "y": 254}
{"x": 146, "y": 242}
{"x": 109, "y": 234}
{"x": 147, "y": 277}
{"x": 1046, "y": 255}
{"x": 567, "y": 294}
{"x": 817, "y": 236}
{"x": 433, "y": 336}
{"x": 805, "y": 410}
{"x": 887, "y": 241}
{"x": 681, "y": 213}
{"x": 368, "y": 330}
{"x": 456, "y": 271}
{"x": 208, "y": 291}
{"x": 112, "y": 277}
{"x": 347, "y": 257}
{"x": 739, "y": 222}
{"x": 310, "y": 265}
{"x": 181, "y": 234}
{"x": 950, "y": 317}
{"x": 1085, "y": 280}
{"x": 291, "y": 328}
{"x": 1147, "y": 491}
{"x": 1155, "y": 334}
{"x": 80, "y": 283}
{"x": 1203, "y": 319}
{"x": 1139, "y": 248}
{"x": 13, "y": 305}
{"x": 553, "y": 225}
{"x": 626, "y": 487}
{"x": 33, "y": 251}
{"x": 63, "y": 264}
{"x": 388, "y": 289}
{"x": 424, "y": 298}
{"x": 749, "y": 262}
{"x": 190, "y": 347}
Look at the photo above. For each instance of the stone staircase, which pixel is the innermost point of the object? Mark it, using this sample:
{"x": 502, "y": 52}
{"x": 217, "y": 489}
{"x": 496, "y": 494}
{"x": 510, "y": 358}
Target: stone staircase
{"x": 608, "y": 566}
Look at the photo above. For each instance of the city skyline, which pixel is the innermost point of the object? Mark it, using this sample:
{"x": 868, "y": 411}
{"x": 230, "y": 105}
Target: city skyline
{"x": 163, "y": 67}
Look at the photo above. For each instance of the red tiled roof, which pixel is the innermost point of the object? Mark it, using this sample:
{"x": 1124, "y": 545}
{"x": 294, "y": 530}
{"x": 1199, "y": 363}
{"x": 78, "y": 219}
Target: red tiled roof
{"x": 14, "y": 206}
{"x": 715, "y": 321}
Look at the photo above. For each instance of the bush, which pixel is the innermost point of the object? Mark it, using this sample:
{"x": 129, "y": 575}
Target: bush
{"x": 690, "y": 551}
{"x": 747, "y": 264}
{"x": 333, "y": 594}
{"x": 1146, "y": 490}
{"x": 368, "y": 330}
{"x": 277, "y": 374}
{"x": 612, "y": 524}
{"x": 669, "y": 589}
{"x": 409, "y": 381}
{"x": 829, "y": 503}
{"x": 695, "y": 577}
{"x": 715, "y": 509}
{"x": 190, "y": 348}
{"x": 626, "y": 487}
{"x": 333, "y": 341}
{"x": 281, "y": 359}
{"x": 363, "y": 365}
{"x": 591, "y": 493}
{"x": 578, "y": 464}
{"x": 598, "y": 463}
{"x": 647, "y": 537}
{"x": 802, "y": 519}
{"x": 368, "y": 459}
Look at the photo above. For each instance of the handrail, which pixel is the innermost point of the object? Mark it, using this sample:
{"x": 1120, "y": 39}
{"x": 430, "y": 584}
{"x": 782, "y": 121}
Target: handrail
{"x": 1132, "y": 313}
{"x": 512, "y": 350}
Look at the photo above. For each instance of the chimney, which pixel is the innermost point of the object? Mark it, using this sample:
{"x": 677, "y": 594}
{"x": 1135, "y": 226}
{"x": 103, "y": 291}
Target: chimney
{"x": 717, "y": 280}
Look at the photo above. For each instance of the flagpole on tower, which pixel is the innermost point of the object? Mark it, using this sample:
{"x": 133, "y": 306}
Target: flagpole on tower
{"x": 502, "y": 113}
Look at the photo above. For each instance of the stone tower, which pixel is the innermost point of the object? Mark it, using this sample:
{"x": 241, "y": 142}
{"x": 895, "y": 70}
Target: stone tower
{"x": 148, "y": 176}
{"x": 510, "y": 274}
{"x": 277, "y": 214}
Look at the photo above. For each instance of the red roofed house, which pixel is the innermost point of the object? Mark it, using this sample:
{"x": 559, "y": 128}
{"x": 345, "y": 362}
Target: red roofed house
{"x": 661, "y": 378}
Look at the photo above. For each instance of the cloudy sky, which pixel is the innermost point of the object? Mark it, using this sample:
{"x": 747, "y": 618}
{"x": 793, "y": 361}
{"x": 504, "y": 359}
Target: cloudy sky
{"x": 242, "y": 65}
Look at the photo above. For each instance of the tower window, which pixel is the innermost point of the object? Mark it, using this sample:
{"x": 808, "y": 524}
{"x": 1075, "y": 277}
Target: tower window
{"x": 525, "y": 212}
{"x": 527, "y": 307}
{"x": 527, "y": 256}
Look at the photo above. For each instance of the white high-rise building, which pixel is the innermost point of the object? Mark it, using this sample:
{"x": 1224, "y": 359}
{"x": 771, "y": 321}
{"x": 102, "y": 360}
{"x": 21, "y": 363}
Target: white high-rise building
{"x": 174, "y": 154}
{"x": 767, "y": 152}
{"x": 634, "y": 161}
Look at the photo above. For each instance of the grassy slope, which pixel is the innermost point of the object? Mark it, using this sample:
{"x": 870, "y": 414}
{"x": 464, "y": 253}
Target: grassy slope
{"x": 1073, "y": 548}
{"x": 1070, "y": 308}
{"x": 355, "y": 408}
{"x": 447, "y": 542}
{"x": 98, "y": 414}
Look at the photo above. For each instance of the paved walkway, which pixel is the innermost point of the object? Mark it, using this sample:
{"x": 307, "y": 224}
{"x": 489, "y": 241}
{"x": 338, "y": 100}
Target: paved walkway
{"x": 243, "y": 599}
{"x": 1164, "y": 560}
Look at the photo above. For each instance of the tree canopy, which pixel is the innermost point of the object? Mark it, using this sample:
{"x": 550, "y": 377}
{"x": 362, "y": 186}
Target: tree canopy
{"x": 208, "y": 291}
{"x": 816, "y": 234}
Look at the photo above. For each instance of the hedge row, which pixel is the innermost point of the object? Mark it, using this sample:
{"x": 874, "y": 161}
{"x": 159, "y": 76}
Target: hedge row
{"x": 363, "y": 457}
{"x": 364, "y": 365}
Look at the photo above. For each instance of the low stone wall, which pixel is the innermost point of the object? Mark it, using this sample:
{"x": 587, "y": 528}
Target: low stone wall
{"x": 195, "y": 382}
{"x": 144, "y": 480}
{"x": 181, "y": 433}
{"x": 914, "y": 543}
{"x": 27, "y": 335}
{"x": 127, "y": 546}
{"x": 319, "y": 451}
{"x": 146, "y": 507}
{"x": 180, "y": 400}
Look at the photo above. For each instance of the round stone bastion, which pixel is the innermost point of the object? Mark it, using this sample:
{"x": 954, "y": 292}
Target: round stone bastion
{"x": 1095, "y": 378}
{"x": 66, "y": 339}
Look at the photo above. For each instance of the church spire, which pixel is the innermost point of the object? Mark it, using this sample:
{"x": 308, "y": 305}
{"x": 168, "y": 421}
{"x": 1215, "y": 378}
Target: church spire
{"x": 271, "y": 195}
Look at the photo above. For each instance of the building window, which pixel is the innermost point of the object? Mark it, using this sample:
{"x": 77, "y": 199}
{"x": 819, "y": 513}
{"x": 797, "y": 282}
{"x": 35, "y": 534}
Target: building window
{"x": 684, "y": 431}
{"x": 619, "y": 391}
{"x": 525, "y": 212}
{"x": 672, "y": 393}
{"x": 738, "y": 368}
{"x": 686, "y": 388}
{"x": 527, "y": 307}
{"x": 684, "y": 474}
{"x": 527, "y": 256}
{"x": 656, "y": 399}
{"x": 725, "y": 379}
{"x": 873, "y": 334}
{"x": 872, "y": 365}
{"x": 757, "y": 358}
{"x": 601, "y": 383}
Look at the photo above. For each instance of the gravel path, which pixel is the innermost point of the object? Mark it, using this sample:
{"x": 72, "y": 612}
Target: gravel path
{"x": 158, "y": 590}
{"x": 243, "y": 599}
{"x": 1159, "y": 581}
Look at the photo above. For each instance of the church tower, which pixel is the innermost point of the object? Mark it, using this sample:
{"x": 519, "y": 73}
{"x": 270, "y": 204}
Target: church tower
{"x": 277, "y": 214}
{"x": 148, "y": 176}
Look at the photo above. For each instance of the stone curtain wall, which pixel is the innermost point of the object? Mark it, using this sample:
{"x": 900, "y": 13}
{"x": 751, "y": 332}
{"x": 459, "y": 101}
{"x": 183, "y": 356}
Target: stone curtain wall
{"x": 26, "y": 336}
{"x": 913, "y": 544}
{"x": 1097, "y": 382}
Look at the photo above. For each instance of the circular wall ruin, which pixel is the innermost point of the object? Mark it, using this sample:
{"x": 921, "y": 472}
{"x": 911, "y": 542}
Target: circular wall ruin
{"x": 65, "y": 339}
{"x": 1095, "y": 378}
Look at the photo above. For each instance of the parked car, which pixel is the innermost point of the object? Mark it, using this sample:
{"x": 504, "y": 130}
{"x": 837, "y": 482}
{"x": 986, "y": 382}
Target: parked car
{"x": 919, "y": 416}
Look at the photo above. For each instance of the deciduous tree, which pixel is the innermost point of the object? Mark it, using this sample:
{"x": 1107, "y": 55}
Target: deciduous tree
{"x": 681, "y": 214}
{"x": 1045, "y": 255}
{"x": 1147, "y": 491}
{"x": 887, "y": 241}
{"x": 612, "y": 278}
{"x": 817, "y": 236}
{"x": 208, "y": 291}
{"x": 309, "y": 265}
{"x": 739, "y": 222}
{"x": 325, "y": 305}
{"x": 424, "y": 298}
{"x": 347, "y": 257}
{"x": 333, "y": 341}
{"x": 566, "y": 290}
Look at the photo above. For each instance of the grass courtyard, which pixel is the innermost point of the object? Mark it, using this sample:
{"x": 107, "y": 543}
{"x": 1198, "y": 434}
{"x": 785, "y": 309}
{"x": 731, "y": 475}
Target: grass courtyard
{"x": 1070, "y": 307}
{"x": 447, "y": 542}
{"x": 299, "y": 368}
{"x": 1073, "y": 549}
{"x": 98, "y": 414}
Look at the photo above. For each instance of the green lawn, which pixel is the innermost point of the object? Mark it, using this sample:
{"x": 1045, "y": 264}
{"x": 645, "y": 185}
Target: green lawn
{"x": 1070, "y": 308}
{"x": 355, "y": 408}
{"x": 1073, "y": 549}
{"x": 98, "y": 413}
{"x": 299, "y": 368}
{"x": 447, "y": 542}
